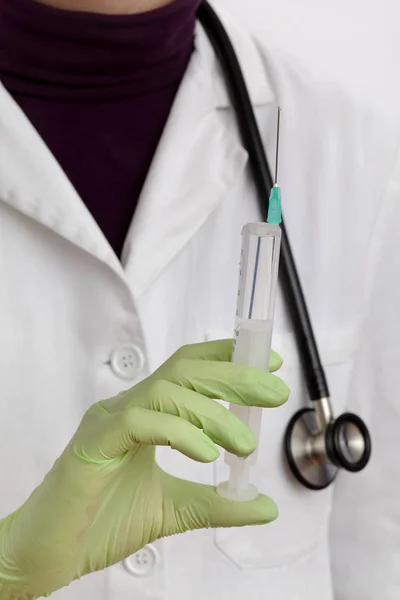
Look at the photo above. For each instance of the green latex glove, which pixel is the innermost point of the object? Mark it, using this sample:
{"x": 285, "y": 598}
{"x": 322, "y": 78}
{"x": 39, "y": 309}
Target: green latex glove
{"x": 106, "y": 497}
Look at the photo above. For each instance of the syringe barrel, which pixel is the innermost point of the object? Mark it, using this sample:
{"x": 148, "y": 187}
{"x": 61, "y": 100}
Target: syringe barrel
{"x": 258, "y": 275}
{"x": 258, "y": 281}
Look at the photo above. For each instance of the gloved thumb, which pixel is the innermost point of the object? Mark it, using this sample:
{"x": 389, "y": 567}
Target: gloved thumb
{"x": 198, "y": 506}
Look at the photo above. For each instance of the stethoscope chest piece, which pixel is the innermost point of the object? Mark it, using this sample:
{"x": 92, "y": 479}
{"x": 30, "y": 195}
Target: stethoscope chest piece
{"x": 316, "y": 450}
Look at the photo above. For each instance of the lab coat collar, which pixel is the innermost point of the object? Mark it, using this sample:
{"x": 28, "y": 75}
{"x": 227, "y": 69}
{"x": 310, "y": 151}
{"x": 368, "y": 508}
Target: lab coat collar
{"x": 32, "y": 182}
{"x": 198, "y": 160}
{"x": 250, "y": 59}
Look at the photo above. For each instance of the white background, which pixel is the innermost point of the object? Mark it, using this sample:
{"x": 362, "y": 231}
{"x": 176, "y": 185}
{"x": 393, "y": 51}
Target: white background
{"x": 354, "y": 42}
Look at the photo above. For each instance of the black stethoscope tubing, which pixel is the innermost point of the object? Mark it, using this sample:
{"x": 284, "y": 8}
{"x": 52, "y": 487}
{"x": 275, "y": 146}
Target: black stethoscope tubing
{"x": 296, "y": 304}
{"x": 315, "y": 470}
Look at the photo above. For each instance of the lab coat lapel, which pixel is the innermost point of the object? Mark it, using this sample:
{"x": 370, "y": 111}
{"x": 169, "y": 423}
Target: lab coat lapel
{"x": 199, "y": 159}
{"x": 32, "y": 182}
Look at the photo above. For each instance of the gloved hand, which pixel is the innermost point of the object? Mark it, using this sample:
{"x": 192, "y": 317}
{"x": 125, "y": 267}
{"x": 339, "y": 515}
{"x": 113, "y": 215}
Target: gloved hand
{"x": 106, "y": 497}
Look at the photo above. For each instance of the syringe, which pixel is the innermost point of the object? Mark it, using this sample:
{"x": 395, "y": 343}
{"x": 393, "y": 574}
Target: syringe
{"x": 258, "y": 282}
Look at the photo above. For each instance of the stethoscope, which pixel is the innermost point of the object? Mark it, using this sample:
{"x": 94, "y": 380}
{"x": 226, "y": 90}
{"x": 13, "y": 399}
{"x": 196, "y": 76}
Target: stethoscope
{"x": 316, "y": 444}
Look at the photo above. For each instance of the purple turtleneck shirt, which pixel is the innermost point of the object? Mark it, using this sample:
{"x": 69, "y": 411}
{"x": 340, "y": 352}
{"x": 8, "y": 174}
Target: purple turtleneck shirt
{"x": 98, "y": 89}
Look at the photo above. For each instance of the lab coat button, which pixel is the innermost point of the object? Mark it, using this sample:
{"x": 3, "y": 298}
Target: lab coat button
{"x": 127, "y": 362}
{"x": 143, "y": 563}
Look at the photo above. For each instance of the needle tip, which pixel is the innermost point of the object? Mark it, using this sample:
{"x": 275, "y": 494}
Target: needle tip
{"x": 277, "y": 145}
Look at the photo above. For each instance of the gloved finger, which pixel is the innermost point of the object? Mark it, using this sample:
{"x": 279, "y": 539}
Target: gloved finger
{"x": 230, "y": 382}
{"x": 220, "y": 351}
{"x": 221, "y": 425}
{"x": 199, "y": 506}
{"x": 122, "y": 431}
{"x": 275, "y": 362}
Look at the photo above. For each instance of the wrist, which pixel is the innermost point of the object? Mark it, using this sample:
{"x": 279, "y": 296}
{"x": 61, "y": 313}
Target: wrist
{"x": 10, "y": 587}
{"x": 10, "y": 592}
{"x": 39, "y": 543}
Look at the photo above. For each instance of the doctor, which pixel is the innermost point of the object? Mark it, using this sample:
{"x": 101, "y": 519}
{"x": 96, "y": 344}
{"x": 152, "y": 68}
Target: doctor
{"x": 123, "y": 191}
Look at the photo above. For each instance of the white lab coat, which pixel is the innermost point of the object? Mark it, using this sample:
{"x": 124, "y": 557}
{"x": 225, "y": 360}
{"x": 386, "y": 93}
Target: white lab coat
{"x": 74, "y": 322}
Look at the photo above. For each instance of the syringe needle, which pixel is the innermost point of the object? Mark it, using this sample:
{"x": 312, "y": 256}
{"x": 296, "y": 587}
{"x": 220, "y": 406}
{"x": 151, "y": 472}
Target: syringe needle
{"x": 277, "y": 145}
{"x": 274, "y": 209}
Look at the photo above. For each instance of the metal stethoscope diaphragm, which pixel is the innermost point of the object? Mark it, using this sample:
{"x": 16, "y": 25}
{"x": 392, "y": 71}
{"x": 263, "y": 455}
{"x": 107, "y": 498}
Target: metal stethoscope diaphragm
{"x": 317, "y": 445}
